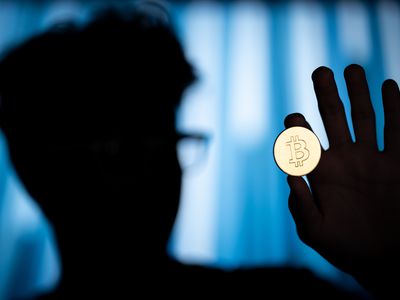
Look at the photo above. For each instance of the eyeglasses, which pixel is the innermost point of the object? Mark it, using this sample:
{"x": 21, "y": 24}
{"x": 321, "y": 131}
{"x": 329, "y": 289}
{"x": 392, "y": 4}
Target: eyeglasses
{"x": 191, "y": 148}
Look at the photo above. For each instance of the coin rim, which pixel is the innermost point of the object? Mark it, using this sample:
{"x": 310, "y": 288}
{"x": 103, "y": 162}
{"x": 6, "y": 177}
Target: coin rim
{"x": 273, "y": 150}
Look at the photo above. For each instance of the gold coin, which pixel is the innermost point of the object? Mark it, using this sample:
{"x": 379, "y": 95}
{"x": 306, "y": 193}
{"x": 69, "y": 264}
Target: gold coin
{"x": 297, "y": 151}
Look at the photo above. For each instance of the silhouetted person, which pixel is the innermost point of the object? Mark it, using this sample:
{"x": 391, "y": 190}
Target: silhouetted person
{"x": 351, "y": 212}
{"x": 89, "y": 116}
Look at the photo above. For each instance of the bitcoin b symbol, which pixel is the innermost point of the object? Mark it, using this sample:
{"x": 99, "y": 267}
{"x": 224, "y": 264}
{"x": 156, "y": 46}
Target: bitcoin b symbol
{"x": 298, "y": 151}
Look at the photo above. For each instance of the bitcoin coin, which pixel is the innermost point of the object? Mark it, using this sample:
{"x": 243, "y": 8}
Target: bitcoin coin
{"x": 297, "y": 151}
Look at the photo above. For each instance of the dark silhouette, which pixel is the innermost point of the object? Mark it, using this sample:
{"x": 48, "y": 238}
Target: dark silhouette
{"x": 89, "y": 116}
{"x": 352, "y": 216}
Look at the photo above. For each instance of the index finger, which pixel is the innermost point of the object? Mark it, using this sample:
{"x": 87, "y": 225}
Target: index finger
{"x": 331, "y": 107}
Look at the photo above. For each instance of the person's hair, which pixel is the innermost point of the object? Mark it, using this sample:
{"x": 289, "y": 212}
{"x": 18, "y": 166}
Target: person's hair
{"x": 120, "y": 67}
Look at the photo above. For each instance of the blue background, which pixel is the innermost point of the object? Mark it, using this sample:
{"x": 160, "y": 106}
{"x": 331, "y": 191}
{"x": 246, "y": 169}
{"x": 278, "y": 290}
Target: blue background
{"x": 254, "y": 60}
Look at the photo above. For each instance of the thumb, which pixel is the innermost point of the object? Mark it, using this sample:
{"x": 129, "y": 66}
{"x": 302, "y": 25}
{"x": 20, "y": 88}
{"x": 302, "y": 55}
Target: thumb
{"x": 305, "y": 212}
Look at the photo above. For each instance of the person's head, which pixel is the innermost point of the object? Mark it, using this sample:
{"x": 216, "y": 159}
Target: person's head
{"x": 89, "y": 117}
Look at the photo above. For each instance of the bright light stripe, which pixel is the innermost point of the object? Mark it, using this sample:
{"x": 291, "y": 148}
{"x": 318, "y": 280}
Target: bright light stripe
{"x": 353, "y": 30}
{"x": 307, "y": 39}
{"x": 202, "y": 33}
{"x": 248, "y": 78}
{"x": 389, "y": 20}
{"x": 307, "y": 36}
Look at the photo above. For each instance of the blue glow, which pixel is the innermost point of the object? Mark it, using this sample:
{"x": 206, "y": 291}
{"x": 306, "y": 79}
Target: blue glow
{"x": 389, "y": 20}
{"x": 355, "y": 43}
{"x": 254, "y": 62}
{"x": 202, "y": 29}
{"x": 248, "y": 77}
{"x": 28, "y": 255}
{"x": 289, "y": 41}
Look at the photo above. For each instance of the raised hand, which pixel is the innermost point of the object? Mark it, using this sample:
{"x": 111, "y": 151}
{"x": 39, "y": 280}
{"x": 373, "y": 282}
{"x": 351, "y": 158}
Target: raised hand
{"x": 350, "y": 212}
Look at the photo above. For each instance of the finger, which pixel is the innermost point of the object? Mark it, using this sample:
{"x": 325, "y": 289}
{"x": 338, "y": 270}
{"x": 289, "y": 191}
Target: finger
{"x": 362, "y": 112}
{"x": 391, "y": 105}
{"x": 303, "y": 208}
{"x": 296, "y": 119}
{"x": 331, "y": 107}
